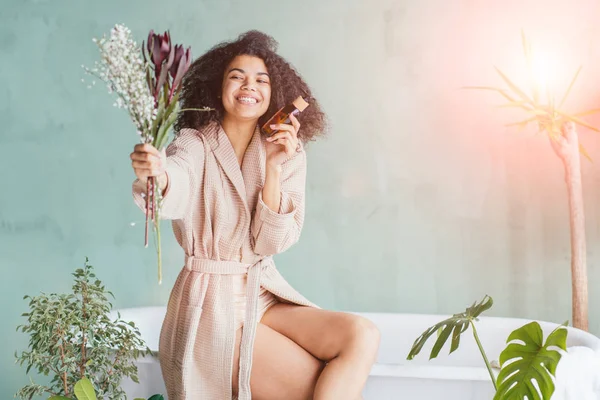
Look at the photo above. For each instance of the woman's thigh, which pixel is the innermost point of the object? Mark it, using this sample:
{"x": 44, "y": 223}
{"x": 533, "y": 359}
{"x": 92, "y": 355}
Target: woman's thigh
{"x": 324, "y": 334}
{"x": 281, "y": 369}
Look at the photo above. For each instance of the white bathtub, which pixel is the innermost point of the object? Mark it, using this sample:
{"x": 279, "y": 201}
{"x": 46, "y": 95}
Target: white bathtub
{"x": 461, "y": 375}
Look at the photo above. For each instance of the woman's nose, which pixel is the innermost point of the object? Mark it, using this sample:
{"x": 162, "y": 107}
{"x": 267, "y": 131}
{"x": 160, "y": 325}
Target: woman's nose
{"x": 248, "y": 86}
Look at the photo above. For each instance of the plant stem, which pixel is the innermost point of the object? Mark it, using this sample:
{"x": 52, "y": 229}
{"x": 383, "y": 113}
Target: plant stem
{"x": 197, "y": 109}
{"x": 485, "y": 359}
{"x": 48, "y": 360}
{"x": 147, "y": 212}
{"x": 158, "y": 247}
{"x": 153, "y": 190}
{"x": 150, "y": 182}
{"x": 83, "y": 342}
{"x": 62, "y": 358}
{"x": 171, "y": 93}
{"x": 110, "y": 371}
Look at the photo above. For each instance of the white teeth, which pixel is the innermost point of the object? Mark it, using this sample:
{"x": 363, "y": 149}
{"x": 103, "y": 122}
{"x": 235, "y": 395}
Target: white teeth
{"x": 248, "y": 100}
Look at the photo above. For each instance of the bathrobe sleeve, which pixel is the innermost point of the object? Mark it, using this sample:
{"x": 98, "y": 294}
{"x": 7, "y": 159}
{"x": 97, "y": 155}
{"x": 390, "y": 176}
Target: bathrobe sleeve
{"x": 275, "y": 232}
{"x": 185, "y": 165}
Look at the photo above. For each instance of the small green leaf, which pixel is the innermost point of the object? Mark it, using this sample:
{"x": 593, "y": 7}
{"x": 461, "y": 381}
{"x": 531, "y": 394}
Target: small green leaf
{"x": 458, "y": 330}
{"x": 149, "y": 80}
{"x": 163, "y": 132}
{"x": 84, "y": 390}
{"x": 159, "y": 117}
{"x": 59, "y": 398}
{"x": 441, "y": 340}
{"x": 156, "y": 397}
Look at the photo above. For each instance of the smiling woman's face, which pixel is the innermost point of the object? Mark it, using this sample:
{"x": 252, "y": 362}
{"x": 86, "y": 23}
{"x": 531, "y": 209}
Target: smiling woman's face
{"x": 246, "y": 89}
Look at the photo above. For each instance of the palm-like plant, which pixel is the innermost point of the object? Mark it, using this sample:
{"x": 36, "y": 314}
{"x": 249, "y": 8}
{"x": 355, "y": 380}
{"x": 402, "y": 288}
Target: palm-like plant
{"x": 560, "y": 126}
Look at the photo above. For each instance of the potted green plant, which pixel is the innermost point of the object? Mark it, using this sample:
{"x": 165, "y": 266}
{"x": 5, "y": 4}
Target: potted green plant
{"x": 73, "y": 340}
{"x": 84, "y": 390}
{"x": 526, "y": 358}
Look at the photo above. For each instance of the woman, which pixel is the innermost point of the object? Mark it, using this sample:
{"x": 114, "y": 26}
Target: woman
{"x": 236, "y": 197}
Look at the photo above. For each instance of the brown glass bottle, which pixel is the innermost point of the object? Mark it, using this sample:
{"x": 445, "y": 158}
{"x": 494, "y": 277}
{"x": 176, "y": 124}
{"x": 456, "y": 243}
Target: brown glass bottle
{"x": 283, "y": 115}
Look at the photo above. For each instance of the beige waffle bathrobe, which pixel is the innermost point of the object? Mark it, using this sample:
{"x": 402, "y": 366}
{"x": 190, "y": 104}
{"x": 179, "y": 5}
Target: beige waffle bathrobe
{"x": 224, "y": 228}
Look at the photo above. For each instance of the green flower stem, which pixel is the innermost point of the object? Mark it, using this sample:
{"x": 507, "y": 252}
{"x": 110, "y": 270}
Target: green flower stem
{"x": 158, "y": 246}
{"x": 485, "y": 359}
{"x": 158, "y": 142}
{"x": 156, "y": 224}
{"x": 197, "y": 109}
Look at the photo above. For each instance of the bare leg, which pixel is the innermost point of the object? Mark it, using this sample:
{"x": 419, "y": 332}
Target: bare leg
{"x": 347, "y": 343}
{"x": 280, "y": 368}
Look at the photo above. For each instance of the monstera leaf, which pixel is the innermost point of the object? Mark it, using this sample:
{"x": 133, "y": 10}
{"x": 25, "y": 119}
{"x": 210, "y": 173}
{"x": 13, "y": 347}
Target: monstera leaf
{"x": 455, "y": 326}
{"x": 527, "y": 360}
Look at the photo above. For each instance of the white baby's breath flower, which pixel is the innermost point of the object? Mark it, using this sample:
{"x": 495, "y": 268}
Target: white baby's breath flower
{"x": 124, "y": 72}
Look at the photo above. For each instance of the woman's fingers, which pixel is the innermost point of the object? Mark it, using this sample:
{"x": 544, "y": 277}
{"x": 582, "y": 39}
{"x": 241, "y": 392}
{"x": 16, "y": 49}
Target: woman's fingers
{"x": 144, "y": 157}
{"x": 286, "y": 139}
{"x": 288, "y": 144}
{"x": 285, "y": 128}
{"x": 146, "y": 148}
{"x": 147, "y": 161}
{"x": 280, "y": 135}
{"x": 295, "y": 124}
{"x": 286, "y": 136}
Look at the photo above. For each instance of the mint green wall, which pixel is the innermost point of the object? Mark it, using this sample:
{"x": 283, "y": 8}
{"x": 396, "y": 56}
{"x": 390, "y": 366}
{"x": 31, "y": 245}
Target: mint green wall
{"x": 419, "y": 201}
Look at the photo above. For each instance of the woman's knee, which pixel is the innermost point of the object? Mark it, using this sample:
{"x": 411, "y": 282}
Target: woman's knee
{"x": 281, "y": 369}
{"x": 362, "y": 336}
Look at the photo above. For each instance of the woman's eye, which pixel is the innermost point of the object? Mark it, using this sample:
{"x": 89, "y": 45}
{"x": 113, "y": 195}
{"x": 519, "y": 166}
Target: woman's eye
{"x": 236, "y": 77}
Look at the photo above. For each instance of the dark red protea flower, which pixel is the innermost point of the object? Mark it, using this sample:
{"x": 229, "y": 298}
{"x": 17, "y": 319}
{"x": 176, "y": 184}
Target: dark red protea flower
{"x": 179, "y": 67}
{"x": 161, "y": 54}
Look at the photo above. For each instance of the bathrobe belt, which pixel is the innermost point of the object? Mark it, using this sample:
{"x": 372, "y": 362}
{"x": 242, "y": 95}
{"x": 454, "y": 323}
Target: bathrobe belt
{"x": 254, "y": 272}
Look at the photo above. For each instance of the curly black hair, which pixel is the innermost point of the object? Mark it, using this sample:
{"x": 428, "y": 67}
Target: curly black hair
{"x": 202, "y": 85}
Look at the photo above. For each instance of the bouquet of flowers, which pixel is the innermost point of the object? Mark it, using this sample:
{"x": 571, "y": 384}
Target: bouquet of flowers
{"x": 147, "y": 81}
